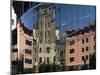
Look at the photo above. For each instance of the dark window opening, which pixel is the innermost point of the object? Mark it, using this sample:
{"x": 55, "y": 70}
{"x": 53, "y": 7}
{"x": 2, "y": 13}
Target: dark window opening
{"x": 54, "y": 59}
{"x": 82, "y": 41}
{"x": 86, "y": 39}
{"x": 28, "y": 42}
{"x": 86, "y": 56}
{"x": 40, "y": 50}
{"x": 29, "y": 61}
{"x": 48, "y": 60}
{"x": 14, "y": 37}
{"x": 86, "y": 48}
{"x": 71, "y": 51}
{"x": 82, "y": 49}
{"x": 40, "y": 59}
{"x": 83, "y": 58}
{"x": 52, "y": 20}
{"x": 48, "y": 49}
{"x": 12, "y": 21}
{"x": 73, "y": 42}
{"x": 28, "y": 51}
{"x": 14, "y": 50}
{"x": 72, "y": 59}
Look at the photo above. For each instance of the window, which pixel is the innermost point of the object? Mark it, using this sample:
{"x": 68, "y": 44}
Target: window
{"x": 82, "y": 41}
{"x": 72, "y": 59}
{"x": 34, "y": 42}
{"x": 54, "y": 59}
{"x": 48, "y": 49}
{"x": 52, "y": 20}
{"x": 71, "y": 51}
{"x": 82, "y": 49}
{"x": 73, "y": 42}
{"x": 86, "y": 56}
{"x": 86, "y": 39}
{"x": 12, "y": 21}
{"x": 48, "y": 60}
{"x": 45, "y": 11}
{"x": 28, "y": 51}
{"x": 40, "y": 59}
{"x": 45, "y": 34}
{"x": 50, "y": 10}
{"x": 40, "y": 50}
{"x": 14, "y": 50}
{"x": 29, "y": 61}
{"x": 70, "y": 43}
{"x": 83, "y": 58}
{"x": 86, "y": 48}
{"x": 28, "y": 42}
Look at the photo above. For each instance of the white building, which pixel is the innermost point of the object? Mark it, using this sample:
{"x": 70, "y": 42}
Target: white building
{"x": 13, "y": 19}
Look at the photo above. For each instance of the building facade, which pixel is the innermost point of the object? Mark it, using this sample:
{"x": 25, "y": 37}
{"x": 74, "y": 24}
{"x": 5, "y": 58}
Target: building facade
{"x": 80, "y": 46}
{"x": 47, "y": 35}
{"x": 61, "y": 48}
{"x": 35, "y": 50}
{"x": 22, "y": 47}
